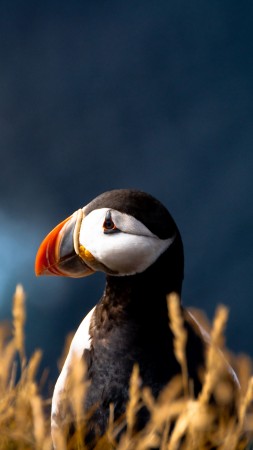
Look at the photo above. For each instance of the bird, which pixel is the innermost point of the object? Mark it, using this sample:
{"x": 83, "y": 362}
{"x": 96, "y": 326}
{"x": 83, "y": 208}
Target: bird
{"x": 133, "y": 239}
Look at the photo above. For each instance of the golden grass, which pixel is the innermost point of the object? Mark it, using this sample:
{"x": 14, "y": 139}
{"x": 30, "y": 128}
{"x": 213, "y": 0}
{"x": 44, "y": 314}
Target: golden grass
{"x": 177, "y": 420}
{"x": 180, "y": 336}
{"x": 23, "y": 424}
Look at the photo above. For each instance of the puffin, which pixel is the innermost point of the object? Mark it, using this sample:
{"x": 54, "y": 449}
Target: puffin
{"x": 132, "y": 238}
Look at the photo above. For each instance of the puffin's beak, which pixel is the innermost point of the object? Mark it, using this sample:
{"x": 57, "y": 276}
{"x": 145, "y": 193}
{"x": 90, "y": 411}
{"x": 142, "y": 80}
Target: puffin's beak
{"x": 58, "y": 254}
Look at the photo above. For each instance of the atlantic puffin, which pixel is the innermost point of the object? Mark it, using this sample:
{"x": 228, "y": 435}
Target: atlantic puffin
{"x": 133, "y": 239}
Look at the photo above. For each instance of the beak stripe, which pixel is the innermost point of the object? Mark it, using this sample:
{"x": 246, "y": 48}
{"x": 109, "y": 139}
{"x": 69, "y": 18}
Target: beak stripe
{"x": 79, "y": 217}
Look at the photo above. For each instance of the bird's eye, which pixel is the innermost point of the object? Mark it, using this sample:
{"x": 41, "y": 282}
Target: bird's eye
{"x": 108, "y": 225}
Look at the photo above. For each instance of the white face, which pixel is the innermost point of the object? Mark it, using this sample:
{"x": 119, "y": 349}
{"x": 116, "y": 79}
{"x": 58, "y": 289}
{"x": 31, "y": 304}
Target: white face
{"x": 128, "y": 249}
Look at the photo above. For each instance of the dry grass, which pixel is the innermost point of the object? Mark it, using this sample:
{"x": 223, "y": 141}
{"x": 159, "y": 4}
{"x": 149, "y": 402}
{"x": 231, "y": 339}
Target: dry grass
{"x": 23, "y": 424}
{"x": 177, "y": 420}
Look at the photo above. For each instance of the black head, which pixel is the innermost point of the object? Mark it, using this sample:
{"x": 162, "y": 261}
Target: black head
{"x": 122, "y": 232}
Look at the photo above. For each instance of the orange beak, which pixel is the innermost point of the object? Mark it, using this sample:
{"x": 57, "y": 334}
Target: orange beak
{"x": 57, "y": 254}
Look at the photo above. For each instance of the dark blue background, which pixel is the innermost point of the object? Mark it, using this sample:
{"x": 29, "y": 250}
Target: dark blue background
{"x": 97, "y": 95}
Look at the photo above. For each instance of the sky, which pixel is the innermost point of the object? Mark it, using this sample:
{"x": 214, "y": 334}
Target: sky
{"x": 156, "y": 96}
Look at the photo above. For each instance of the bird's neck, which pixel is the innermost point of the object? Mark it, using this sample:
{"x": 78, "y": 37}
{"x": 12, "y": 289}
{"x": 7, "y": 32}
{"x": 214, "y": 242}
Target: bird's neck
{"x": 141, "y": 295}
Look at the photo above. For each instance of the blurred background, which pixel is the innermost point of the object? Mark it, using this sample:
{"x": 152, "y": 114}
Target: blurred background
{"x": 97, "y": 95}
